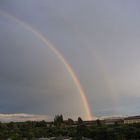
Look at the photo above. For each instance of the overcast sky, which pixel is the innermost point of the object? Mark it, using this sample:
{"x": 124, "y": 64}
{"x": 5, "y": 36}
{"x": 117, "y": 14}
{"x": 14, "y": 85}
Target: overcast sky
{"x": 99, "y": 39}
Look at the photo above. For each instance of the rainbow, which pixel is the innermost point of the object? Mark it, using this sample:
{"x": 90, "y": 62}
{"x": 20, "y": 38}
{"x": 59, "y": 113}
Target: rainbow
{"x": 101, "y": 64}
{"x": 61, "y": 58}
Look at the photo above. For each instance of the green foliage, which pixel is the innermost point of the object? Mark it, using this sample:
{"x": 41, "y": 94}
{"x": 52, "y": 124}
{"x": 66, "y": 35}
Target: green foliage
{"x": 33, "y": 130}
{"x": 70, "y": 122}
{"x": 58, "y": 120}
{"x": 80, "y": 121}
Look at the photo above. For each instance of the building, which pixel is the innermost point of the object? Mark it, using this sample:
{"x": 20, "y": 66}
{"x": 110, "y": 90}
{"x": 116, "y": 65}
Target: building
{"x": 90, "y": 123}
{"x": 113, "y": 121}
{"x": 132, "y": 119}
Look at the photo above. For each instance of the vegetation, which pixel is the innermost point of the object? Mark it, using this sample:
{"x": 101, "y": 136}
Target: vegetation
{"x": 97, "y": 131}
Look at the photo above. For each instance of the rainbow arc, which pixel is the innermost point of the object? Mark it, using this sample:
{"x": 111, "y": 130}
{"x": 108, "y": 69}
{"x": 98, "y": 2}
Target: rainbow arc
{"x": 59, "y": 55}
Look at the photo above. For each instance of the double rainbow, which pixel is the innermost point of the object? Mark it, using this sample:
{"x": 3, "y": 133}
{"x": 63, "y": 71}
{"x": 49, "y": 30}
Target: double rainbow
{"x": 59, "y": 55}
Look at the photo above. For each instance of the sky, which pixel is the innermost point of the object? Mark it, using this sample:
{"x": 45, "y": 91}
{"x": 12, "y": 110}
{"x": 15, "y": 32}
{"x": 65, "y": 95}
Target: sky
{"x": 100, "y": 41}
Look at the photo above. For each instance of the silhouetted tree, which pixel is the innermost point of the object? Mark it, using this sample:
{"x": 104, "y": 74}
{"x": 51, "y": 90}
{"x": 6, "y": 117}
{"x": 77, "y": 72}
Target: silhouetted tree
{"x": 70, "y": 122}
{"x": 98, "y": 122}
{"x": 58, "y": 120}
{"x": 81, "y": 128}
{"x": 80, "y": 121}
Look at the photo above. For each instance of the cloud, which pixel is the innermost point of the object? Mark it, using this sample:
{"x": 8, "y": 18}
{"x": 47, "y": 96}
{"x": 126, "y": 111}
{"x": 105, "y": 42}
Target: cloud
{"x": 34, "y": 81}
{"x": 21, "y": 117}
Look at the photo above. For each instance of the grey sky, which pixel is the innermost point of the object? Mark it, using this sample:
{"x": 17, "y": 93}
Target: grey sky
{"x": 100, "y": 39}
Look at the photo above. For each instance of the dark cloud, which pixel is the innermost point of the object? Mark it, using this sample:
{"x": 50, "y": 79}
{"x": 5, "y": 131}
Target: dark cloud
{"x": 99, "y": 39}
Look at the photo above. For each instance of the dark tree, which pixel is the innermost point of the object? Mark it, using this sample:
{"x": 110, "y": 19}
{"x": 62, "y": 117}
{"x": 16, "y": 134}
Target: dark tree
{"x": 58, "y": 120}
{"x": 98, "y": 122}
{"x": 70, "y": 122}
{"x": 80, "y": 121}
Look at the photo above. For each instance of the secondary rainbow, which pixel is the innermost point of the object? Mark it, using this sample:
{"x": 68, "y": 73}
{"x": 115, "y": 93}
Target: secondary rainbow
{"x": 60, "y": 56}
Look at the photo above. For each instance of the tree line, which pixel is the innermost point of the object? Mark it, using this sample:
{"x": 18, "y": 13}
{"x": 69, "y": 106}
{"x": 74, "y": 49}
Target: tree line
{"x": 97, "y": 131}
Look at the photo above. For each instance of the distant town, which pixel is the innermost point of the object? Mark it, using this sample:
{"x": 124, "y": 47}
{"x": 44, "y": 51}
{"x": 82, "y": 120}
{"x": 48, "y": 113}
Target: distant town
{"x": 116, "y": 128}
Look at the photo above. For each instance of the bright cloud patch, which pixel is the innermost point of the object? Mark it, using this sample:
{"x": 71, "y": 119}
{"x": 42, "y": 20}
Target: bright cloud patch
{"x": 23, "y": 117}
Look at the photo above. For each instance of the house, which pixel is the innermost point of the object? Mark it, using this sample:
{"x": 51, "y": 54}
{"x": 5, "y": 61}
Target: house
{"x": 90, "y": 123}
{"x": 132, "y": 119}
{"x": 113, "y": 121}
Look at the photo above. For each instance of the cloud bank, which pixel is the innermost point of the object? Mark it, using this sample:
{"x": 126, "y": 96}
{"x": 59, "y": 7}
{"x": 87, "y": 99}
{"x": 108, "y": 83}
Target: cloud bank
{"x": 22, "y": 117}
